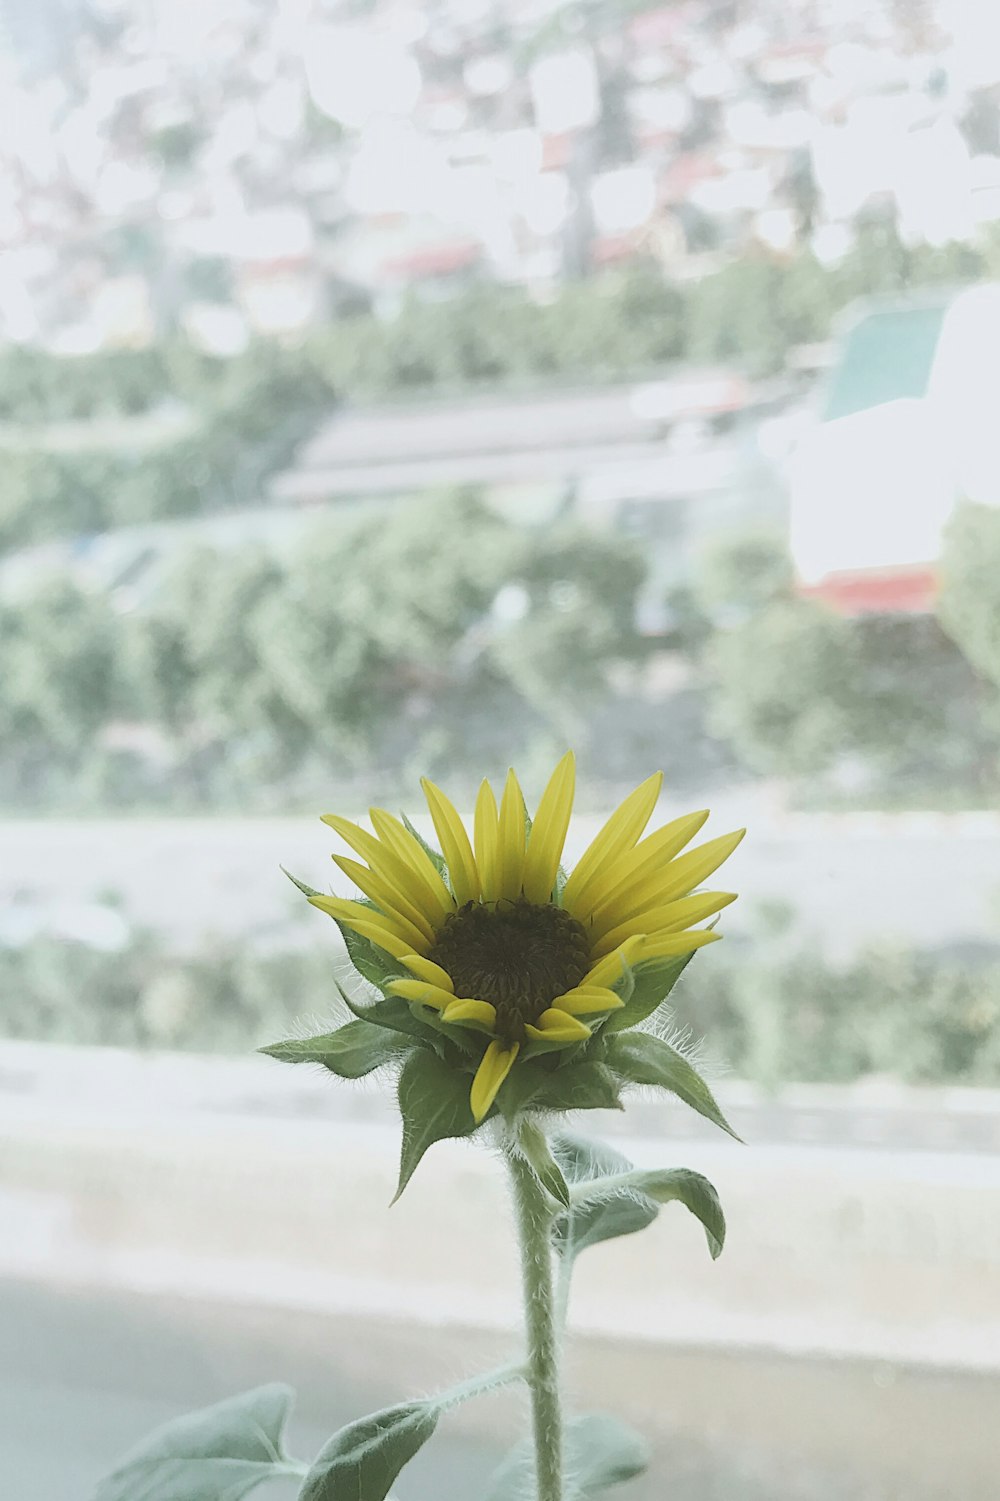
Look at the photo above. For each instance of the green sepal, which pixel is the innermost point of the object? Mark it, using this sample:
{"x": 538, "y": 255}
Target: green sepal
{"x": 535, "y": 1150}
{"x": 521, "y": 1085}
{"x": 588, "y": 1223}
{"x": 434, "y": 1104}
{"x": 395, "y": 1014}
{"x": 539, "y": 1084}
{"x": 436, "y": 858}
{"x": 650, "y": 986}
{"x": 587, "y": 1085}
{"x": 351, "y": 1052}
{"x": 539, "y": 1047}
{"x": 364, "y": 1459}
{"x": 462, "y": 1039}
{"x": 600, "y": 1453}
{"x": 641, "y": 1058}
{"x": 223, "y": 1451}
{"x": 303, "y": 886}
{"x": 372, "y": 963}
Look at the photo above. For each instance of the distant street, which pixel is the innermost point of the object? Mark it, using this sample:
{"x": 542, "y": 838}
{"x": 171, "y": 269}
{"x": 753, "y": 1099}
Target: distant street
{"x": 852, "y": 881}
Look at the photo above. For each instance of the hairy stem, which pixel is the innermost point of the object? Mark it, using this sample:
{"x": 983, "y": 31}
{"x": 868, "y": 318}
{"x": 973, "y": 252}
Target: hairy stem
{"x": 534, "y": 1223}
{"x": 478, "y": 1386}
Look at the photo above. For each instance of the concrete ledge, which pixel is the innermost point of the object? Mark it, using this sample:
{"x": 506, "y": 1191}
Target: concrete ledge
{"x": 887, "y": 1254}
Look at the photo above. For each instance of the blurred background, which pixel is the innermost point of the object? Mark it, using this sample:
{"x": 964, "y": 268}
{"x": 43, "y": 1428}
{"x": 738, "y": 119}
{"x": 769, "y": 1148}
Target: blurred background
{"x": 392, "y": 387}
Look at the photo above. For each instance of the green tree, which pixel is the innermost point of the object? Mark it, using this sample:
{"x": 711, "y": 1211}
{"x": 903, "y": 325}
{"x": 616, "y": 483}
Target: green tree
{"x": 969, "y": 602}
{"x": 782, "y": 688}
{"x": 61, "y": 683}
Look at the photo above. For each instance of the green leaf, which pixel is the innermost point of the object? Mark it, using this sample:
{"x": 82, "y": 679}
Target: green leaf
{"x": 363, "y": 1460}
{"x": 651, "y": 984}
{"x": 434, "y": 1103}
{"x": 351, "y": 1052}
{"x": 588, "y": 1223}
{"x": 578, "y": 1086}
{"x": 536, "y": 1151}
{"x": 219, "y": 1453}
{"x": 681, "y": 1185}
{"x": 641, "y": 1058}
{"x": 600, "y": 1452}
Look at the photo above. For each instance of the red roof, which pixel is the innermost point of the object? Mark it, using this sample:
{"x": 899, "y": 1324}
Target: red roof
{"x": 432, "y": 260}
{"x": 899, "y": 591}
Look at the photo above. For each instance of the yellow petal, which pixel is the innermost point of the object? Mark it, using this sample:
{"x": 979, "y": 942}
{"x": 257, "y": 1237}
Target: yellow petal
{"x": 386, "y": 862}
{"x": 496, "y": 1064}
{"x": 419, "y": 990}
{"x": 353, "y": 913}
{"x": 471, "y": 1011}
{"x": 610, "y": 969}
{"x": 510, "y": 840}
{"x": 648, "y": 859}
{"x": 384, "y": 893}
{"x": 672, "y": 944}
{"x": 555, "y": 1025}
{"x": 679, "y": 877}
{"x": 656, "y": 921}
{"x": 485, "y": 834}
{"x": 585, "y": 1000}
{"x": 426, "y": 969}
{"x": 548, "y": 832}
{"x": 454, "y": 842}
{"x": 399, "y": 839}
{"x": 393, "y": 945}
{"x": 619, "y": 834}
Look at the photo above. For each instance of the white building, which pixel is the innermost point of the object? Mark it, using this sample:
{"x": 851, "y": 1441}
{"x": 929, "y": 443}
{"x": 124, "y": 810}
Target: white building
{"x": 906, "y": 429}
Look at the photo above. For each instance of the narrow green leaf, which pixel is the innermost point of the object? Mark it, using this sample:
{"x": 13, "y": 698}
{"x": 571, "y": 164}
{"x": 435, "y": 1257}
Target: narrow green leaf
{"x": 641, "y": 1058}
{"x": 600, "y": 1453}
{"x": 372, "y": 963}
{"x": 588, "y": 1223}
{"x": 650, "y": 986}
{"x": 351, "y": 1052}
{"x": 434, "y": 1103}
{"x": 438, "y": 861}
{"x": 362, "y": 1461}
{"x": 219, "y": 1453}
{"x": 578, "y": 1086}
{"x": 546, "y": 1169}
{"x": 302, "y": 885}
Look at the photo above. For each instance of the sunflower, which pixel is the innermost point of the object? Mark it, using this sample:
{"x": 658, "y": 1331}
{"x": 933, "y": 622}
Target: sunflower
{"x": 488, "y": 940}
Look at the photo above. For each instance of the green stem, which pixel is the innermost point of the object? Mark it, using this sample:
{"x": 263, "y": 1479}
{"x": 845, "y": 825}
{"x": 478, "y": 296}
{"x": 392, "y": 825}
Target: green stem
{"x": 534, "y": 1222}
{"x": 478, "y": 1386}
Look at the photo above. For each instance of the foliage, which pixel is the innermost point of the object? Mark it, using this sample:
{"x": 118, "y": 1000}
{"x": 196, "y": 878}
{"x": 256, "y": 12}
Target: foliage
{"x": 969, "y": 604}
{"x": 784, "y": 687}
{"x": 798, "y": 690}
{"x": 362, "y": 641}
{"x": 778, "y": 1013}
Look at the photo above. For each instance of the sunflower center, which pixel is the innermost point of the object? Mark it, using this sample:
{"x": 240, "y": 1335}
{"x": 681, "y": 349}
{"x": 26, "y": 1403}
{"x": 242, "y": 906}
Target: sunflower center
{"x": 516, "y": 954}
